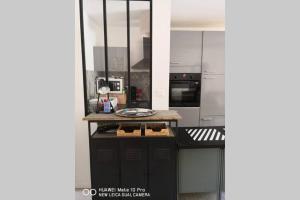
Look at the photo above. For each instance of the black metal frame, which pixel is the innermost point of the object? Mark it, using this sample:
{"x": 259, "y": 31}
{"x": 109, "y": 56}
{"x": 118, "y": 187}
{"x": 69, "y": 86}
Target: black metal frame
{"x": 106, "y": 50}
{"x": 151, "y": 54}
{"x": 128, "y": 51}
{"x": 105, "y": 41}
{"x": 83, "y": 56}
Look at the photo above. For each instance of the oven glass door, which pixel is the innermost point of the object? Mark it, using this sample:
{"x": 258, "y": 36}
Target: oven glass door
{"x": 184, "y": 94}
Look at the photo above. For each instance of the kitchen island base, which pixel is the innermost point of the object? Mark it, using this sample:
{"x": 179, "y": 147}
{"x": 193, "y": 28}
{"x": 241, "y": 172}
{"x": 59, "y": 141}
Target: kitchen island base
{"x": 139, "y": 165}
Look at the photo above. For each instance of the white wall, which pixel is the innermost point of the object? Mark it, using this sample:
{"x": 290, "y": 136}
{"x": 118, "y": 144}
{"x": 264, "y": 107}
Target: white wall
{"x": 161, "y": 53}
{"x": 160, "y": 81}
{"x": 91, "y": 31}
{"x": 82, "y": 162}
{"x": 198, "y": 14}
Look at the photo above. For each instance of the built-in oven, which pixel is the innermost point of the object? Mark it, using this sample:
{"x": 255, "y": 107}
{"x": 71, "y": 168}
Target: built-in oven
{"x": 185, "y": 89}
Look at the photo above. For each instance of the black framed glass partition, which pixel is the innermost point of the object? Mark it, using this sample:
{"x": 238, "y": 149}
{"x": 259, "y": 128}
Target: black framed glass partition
{"x": 140, "y": 53}
{"x": 116, "y": 38}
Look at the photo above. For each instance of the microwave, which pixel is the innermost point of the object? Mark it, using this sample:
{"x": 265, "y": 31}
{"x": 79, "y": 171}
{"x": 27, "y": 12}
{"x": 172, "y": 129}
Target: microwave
{"x": 116, "y": 85}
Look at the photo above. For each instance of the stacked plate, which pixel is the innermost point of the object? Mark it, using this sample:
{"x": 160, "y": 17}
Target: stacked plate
{"x": 135, "y": 112}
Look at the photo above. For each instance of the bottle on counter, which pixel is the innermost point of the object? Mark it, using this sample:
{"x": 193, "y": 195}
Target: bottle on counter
{"x": 106, "y": 106}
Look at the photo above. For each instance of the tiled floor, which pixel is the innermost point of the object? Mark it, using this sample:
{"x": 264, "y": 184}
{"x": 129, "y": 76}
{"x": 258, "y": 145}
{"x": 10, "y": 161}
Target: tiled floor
{"x": 191, "y": 196}
{"x": 80, "y": 196}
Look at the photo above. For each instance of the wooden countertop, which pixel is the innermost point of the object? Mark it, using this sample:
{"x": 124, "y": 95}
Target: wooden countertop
{"x": 161, "y": 115}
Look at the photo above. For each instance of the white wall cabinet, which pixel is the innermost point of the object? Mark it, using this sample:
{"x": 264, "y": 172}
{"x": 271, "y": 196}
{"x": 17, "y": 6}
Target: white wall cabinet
{"x": 212, "y": 109}
{"x": 185, "y": 51}
{"x": 212, "y": 94}
{"x": 201, "y": 52}
{"x": 212, "y": 112}
{"x": 213, "y": 60}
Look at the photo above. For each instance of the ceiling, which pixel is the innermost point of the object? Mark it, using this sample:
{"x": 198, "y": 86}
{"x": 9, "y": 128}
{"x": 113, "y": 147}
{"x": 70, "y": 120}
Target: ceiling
{"x": 184, "y": 13}
{"x": 198, "y": 13}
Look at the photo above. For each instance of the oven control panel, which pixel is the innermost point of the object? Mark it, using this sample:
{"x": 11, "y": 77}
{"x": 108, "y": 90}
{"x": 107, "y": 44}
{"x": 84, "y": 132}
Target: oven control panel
{"x": 185, "y": 76}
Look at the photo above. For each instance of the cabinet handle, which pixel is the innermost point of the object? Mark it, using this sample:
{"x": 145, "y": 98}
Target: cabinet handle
{"x": 174, "y": 63}
{"x": 207, "y": 119}
{"x": 209, "y": 77}
{"x": 207, "y": 71}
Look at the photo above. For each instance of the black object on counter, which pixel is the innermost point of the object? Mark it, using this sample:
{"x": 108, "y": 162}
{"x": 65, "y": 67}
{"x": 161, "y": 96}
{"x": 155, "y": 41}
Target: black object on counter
{"x": 200, "y": 137}
{"x": 133, "y": 93}
{"x": 107, "y": 127}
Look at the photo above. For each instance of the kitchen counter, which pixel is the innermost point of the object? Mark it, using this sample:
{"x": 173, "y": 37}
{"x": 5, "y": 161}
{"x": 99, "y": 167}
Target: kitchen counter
{"x": 161, "y": 115}
{"x": 200, "y": 137}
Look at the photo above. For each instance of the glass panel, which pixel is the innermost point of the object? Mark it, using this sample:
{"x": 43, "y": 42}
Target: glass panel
{"x": 140, "y": 53}
{"x": 94, "y": 42}
{"x": 117, "y": 49}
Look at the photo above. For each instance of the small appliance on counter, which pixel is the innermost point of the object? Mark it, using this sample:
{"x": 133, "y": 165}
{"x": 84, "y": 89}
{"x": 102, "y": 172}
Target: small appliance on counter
{"x": 115, "y": 84}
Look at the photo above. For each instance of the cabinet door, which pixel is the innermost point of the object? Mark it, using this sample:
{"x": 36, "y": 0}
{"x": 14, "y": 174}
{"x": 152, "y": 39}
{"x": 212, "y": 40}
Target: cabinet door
{"x": 185, "y": 51}
{"x": 162, "y": 169}
{"x": 198, "y": 170}
{"x": 213, "y": 60}
{"x": 104, "y": 164}
{"x": 190, "y": 116}
{"x": 212, "y": 95}
{"x": 222, "y": 187}
{"x": 133, "y": 163}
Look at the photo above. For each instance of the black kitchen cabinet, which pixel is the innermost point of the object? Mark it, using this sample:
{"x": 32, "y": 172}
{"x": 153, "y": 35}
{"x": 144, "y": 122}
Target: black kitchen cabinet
{"x": 105, "y": 160}
{"x": 148, "y": 163}
{"x": 133, "y": 164}
{"x": 162, "y": 169}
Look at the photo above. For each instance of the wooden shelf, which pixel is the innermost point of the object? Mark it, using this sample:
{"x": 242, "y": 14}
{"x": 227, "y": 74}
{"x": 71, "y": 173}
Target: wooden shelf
{"x": 98, "y": 135}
